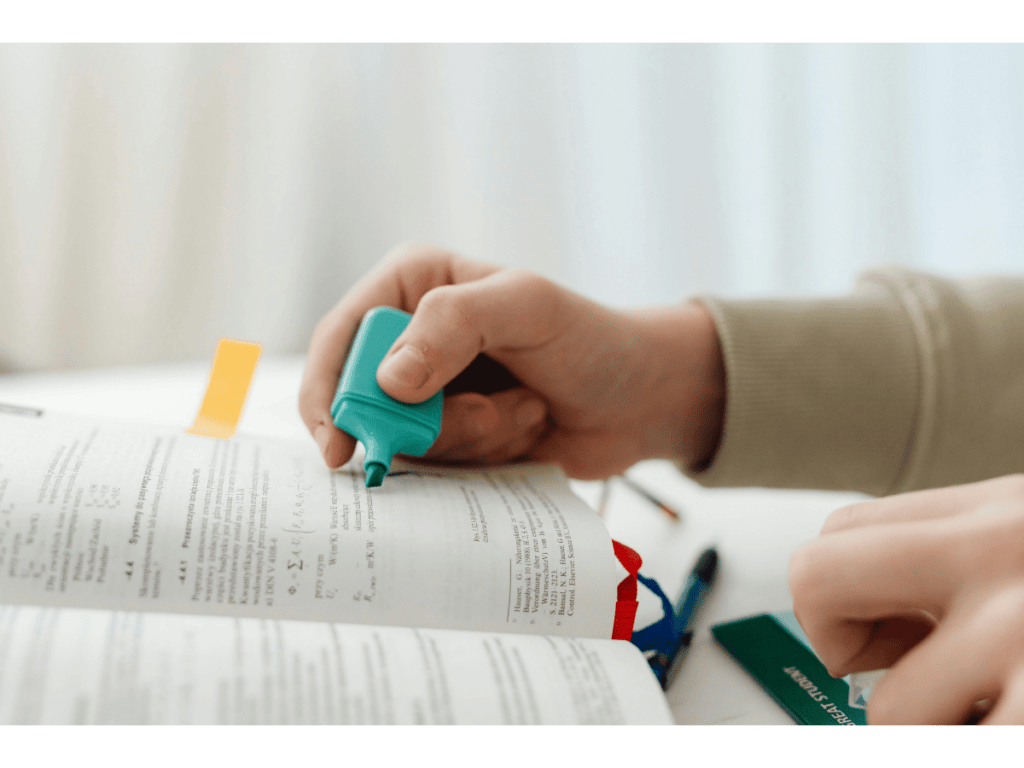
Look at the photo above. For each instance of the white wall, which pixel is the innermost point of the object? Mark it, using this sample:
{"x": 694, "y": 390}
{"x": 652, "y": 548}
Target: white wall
{"x": 156, "y": 198}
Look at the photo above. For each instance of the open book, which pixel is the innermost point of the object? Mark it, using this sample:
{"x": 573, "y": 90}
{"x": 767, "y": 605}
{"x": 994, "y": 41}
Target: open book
{"x": 151, "y": 576}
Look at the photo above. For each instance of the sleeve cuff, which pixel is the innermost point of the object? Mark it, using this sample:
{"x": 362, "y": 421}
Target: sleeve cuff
{"x": 820, "y": 393}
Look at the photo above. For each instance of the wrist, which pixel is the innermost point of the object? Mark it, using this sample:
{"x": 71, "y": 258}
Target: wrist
{"x": 687, "y": 392}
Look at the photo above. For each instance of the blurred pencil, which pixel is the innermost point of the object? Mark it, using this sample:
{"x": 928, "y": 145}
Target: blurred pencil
{"x": 602, "y": 501}
{"x": 647, "y": 495}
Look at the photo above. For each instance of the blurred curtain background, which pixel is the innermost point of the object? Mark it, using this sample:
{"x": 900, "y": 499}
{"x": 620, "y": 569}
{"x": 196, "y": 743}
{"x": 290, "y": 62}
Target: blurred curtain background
{"x": 156, "y": 198}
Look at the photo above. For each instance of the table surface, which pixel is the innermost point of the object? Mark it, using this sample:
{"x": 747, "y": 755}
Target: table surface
{"x": 754, "y": 529}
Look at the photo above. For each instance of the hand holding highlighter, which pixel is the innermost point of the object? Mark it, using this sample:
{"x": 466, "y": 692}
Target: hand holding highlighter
{"x": 585, "y": 386}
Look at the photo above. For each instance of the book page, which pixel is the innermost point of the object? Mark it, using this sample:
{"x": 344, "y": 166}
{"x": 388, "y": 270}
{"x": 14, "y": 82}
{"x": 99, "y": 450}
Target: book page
{"x": 107, "y": 515}
{"x": 66, "y": 666}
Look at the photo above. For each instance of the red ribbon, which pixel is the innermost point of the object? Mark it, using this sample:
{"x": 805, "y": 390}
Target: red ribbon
{"x": 625, "y": 606}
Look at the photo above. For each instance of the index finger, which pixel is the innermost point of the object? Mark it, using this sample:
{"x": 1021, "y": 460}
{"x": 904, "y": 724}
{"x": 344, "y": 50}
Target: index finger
{"x": 400, "y": 281}
{"x": 923, "y": 505}
{"x": 845, "y": 582}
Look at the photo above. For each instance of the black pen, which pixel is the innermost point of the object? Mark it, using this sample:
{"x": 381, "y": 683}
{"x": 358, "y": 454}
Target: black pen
{"x": 690, "y": 601}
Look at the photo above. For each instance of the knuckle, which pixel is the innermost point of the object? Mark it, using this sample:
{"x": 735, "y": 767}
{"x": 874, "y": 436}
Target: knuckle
{"x": 437, "y": 300}
{"x": 1002, "y": 612}
{"x": 531, "y": 284}
{"x": 409, "y": 259}
{"x": 411, "y": 256}
{"x": 527, "y": 279}
{"x": 450, "y": 302}
{"x": 405, "y": 252}
{"x": 990, "y": 541}
{"x": 804, "y": 572}
{"x": 843, "y": 518}
{"x": 551, "y": 305}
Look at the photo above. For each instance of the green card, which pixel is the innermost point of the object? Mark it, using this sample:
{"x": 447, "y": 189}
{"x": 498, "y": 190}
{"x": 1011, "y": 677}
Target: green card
{"x": 788, "y": 670}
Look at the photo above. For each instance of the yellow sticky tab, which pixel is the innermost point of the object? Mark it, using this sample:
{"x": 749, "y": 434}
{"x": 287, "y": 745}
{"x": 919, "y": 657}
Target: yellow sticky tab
{"x": 233, "y": 367}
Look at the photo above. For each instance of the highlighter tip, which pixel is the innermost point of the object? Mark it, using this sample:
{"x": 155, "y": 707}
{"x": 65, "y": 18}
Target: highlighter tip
{"x": 375, "y": 472}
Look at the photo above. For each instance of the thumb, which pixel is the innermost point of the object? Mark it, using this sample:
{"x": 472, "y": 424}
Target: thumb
{"x": 452, "y": 324}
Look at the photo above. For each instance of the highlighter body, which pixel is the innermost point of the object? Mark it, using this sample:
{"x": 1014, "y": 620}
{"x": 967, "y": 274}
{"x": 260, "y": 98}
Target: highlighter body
{"x": 361, "y": 408}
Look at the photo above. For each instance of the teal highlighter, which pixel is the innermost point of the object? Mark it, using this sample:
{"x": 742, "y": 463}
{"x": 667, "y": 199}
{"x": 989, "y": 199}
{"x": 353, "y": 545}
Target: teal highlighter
{"x": 361, "y": 408}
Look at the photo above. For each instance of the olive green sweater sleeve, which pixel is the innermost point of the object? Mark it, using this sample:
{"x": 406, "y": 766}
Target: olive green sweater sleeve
{"x": 910, "y": 382}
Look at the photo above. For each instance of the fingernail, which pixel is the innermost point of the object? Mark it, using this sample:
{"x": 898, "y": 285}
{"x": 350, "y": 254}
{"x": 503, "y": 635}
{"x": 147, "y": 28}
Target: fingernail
{"x": 530, "y": 413}
{"x": 406, "y": 368}
{"x": 322, "y": 435}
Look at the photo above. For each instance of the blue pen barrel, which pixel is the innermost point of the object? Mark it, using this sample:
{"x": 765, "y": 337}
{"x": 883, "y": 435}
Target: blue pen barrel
{"x": 694, "y": 591}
